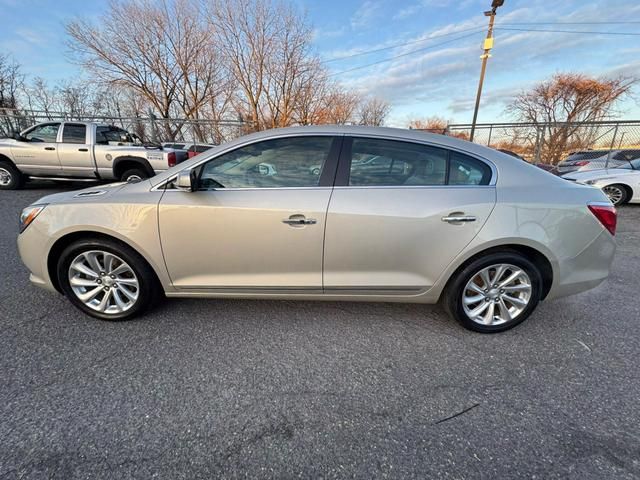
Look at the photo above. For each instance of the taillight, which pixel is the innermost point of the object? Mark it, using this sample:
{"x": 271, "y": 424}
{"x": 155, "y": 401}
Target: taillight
{"x": 606, "y": 214}
{"x": 171, "y": 157}
{"x": 581, "y": 163}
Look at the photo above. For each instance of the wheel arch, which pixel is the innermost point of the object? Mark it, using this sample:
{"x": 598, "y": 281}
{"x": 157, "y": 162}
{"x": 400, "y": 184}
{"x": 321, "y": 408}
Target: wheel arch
{"x": 534, "y": 255}
{"x": 628, "y": 189}
{"x": 4, "y": 158}
{"x": 124, "y": 163}
{"x": 63, "y": 242}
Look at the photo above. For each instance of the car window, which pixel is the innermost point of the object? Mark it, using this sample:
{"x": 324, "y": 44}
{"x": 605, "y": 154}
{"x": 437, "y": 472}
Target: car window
{"x": 74, "y": 133}
{"x": 106, "y": 134}
{"x": 376, "y": 162}
{"x": 44, "y": 133}
{"x": 588, "y": 155}
{"x": 283, "y": 162}
{"x": 466, "y": 170}
{"x": 627, "y": 155}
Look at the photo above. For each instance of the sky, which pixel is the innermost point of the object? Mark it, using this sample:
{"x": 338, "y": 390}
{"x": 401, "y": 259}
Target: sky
{"x": 427, "y": 61}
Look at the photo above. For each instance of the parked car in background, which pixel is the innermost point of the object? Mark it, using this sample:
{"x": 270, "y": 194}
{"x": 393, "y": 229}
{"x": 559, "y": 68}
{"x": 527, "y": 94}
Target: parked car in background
{"x": 192, "y": 149}
{"x": 78, "y": 150}
{"x": 597, "y": 159}
{"x": 621, "y": 184}
{"x": 488, "y": 235}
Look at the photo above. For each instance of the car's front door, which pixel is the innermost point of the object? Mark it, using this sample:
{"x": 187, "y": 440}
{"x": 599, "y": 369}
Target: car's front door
{"x": 37, "y": 154}
{"x": 256, "y": 220}
{"x": 395, "y": 230}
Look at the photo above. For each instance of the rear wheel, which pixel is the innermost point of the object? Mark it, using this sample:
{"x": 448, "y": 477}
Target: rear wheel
{"x": 106, "y": 279}
{"x": 494, "y": 293}
{"x": 134, "y": 175}
{"x": 617, "y": 193}
{"x": 10, "y": 176}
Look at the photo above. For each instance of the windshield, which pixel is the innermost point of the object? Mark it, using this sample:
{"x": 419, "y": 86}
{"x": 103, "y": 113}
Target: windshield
{"x": 632, "y": 165}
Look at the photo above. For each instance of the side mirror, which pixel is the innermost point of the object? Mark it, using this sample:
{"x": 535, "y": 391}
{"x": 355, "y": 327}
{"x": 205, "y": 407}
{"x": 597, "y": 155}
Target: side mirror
{"x": 17, "y": 136}
{"x": 186, "y": 180}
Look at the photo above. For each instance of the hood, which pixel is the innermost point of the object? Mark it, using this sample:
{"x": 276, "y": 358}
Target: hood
{"x": 97, "y": 193}
{"x": 598, "y": 174}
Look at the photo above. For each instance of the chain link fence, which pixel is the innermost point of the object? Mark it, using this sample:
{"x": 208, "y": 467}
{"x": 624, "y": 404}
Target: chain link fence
{"x": 602, "y": 144}
{"x": 148, "y": 129}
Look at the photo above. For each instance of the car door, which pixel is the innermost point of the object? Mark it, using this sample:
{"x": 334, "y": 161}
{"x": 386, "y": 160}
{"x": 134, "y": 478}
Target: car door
{"x": 256, "y": 220}
{"x": 395, "y": 232}
{"x": 74, "y": 151}
{"x": 37, "y": 154}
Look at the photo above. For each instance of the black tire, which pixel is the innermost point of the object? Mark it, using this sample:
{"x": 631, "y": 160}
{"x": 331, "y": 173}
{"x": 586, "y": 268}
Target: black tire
{"x": 150, "y": 290}
{"x": 620, "y": 197}
{"x": 134, "y": 174}
{"x": 452, "y": 298}
{"x": 16, "y": 179}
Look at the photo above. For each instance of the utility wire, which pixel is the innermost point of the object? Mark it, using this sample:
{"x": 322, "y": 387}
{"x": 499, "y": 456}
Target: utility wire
{"x": 366, "y": 52}
{"x": 635, "y": 34}
{"x": 390, "y": 47}
{"x": 405, "y": 54}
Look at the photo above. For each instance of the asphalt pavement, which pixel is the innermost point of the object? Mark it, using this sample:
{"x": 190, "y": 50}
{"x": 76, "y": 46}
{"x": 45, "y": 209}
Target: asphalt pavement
{"x": 279, "y": 389}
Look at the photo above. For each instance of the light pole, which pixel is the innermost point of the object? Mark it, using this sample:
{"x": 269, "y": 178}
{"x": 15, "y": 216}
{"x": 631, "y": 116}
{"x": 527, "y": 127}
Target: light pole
{"x": 488, "y": 45}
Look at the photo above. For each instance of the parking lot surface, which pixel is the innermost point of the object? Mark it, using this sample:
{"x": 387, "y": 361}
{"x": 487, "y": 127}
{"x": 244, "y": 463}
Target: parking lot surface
{"x": 279, "y": 389}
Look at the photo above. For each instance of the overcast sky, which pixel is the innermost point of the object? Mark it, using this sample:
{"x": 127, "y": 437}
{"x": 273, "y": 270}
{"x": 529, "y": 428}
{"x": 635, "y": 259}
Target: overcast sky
{"x": 437, "y": 70}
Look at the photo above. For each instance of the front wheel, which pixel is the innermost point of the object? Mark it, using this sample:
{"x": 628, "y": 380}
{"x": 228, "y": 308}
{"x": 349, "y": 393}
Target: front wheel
{"x": 617, "y": 194}
{"x": 494, "y": 293}
{"x": 106, "y": 279}
{"x": 10, "y": 176}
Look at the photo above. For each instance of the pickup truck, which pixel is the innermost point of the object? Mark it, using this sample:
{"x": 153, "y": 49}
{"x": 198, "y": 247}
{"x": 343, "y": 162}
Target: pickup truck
{"x": 78, "y": 150}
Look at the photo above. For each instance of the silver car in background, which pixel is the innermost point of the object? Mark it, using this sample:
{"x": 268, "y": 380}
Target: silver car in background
{"x": 437, "y": 219}
{"x": 597, "y": 159}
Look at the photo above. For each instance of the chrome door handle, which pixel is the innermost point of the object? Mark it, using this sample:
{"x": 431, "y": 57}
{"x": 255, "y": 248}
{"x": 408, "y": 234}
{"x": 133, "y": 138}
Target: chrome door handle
{"x": 459, "y": 218}
{"x": 293, "y": 221}
{"x": 49, "y": 148}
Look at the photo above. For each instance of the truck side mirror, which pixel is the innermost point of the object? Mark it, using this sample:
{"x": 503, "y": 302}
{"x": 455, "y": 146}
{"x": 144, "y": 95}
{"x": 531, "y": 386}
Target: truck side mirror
{"x": 17, "y": 136}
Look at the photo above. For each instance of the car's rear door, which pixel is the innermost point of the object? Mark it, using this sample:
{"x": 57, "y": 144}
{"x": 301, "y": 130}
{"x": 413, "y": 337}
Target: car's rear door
{"x": 74, "y": 151}
{"x": 395, "y": 232}
{"x": 256, "y": 221}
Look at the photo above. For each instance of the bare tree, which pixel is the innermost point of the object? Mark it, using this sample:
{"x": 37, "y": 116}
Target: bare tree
{"x": 432, "y": 124}
{"x": 563, "y": 102}
{"x": 373, "y": 112}
{"x": 11, "y": 81}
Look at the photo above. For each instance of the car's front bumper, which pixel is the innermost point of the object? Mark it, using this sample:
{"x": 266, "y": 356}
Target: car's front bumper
{"x": 33, "y": 246}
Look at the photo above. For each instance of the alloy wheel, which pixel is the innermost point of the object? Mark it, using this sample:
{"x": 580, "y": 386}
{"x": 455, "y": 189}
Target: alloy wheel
{"x": 496, "y": 294}
{"x": 5, "y": 177}
{"x": 103, "y": 282}
{"x": 615, "y": 194}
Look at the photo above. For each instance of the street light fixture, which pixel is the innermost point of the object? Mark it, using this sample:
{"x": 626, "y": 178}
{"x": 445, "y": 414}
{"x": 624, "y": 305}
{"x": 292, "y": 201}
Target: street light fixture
{"x": 488, "y": 45}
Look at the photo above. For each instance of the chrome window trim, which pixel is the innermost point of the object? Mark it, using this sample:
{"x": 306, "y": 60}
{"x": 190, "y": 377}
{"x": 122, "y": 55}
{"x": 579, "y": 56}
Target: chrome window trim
{"x": 492, "y": 183}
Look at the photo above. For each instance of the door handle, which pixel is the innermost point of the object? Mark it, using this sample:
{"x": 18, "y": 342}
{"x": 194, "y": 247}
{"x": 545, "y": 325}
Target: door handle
{"x": 459, "y": 218}
{"x": 83, "y": 149}
{"x": 49, "y": 148}
{"x": 299, "y": 220}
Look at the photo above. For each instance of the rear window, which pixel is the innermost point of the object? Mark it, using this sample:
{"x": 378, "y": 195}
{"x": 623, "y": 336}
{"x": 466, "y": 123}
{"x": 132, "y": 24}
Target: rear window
{"x": 74, "y": 133}
{"x": 627, "y": 155}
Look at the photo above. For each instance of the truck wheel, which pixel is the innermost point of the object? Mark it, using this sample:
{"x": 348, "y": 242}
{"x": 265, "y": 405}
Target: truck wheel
{"x": 10, "y": 176}
{"x": 134, "y": 175}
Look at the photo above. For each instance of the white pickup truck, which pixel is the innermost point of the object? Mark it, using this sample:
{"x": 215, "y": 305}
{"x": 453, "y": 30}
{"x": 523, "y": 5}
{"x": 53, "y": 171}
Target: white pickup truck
{"x": 78, "y": 150}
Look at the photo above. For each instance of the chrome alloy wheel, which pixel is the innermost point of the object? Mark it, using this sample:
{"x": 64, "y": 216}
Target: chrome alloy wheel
{"x": 615, "y": 194}
{"x": 5, "y": 177}
{"x": 496, "y": 294}
{"x": 103, "y": 282}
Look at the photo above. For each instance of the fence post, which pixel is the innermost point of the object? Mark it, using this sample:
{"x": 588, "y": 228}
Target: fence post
{"x": 490, "y": 132}
{"x": 538, "y": 147}
{"x": 613, "y": 144}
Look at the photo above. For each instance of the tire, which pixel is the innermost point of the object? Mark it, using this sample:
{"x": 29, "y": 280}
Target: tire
{"x": 135, "y": 269}
{"x": 10, "y": 176}
{"x": 134, "y": 175}
{"x": 617, "y": 193}
{"x": 525, "y": 288}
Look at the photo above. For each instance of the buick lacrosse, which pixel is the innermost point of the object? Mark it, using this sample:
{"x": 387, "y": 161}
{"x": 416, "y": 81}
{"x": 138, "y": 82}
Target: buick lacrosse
{"x": 328, "y": 213}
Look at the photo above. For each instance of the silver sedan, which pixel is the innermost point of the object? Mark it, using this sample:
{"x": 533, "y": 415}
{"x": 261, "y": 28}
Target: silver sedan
{"x": 328, "y": 213}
